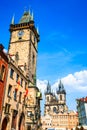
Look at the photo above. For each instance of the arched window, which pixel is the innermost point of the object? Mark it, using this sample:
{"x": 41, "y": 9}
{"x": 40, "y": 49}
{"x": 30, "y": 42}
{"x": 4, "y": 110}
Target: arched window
{"x": 60, "y": 97}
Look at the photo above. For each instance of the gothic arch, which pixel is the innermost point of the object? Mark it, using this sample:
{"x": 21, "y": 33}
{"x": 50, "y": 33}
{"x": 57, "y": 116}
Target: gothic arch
{"x": 4, "y": 123}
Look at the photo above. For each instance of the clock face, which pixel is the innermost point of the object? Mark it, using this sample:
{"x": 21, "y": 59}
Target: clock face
{"x": 20, "y": 33}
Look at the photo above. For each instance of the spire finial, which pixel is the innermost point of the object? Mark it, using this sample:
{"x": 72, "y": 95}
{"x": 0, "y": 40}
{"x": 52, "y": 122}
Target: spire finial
{"x": 12, "y": 21}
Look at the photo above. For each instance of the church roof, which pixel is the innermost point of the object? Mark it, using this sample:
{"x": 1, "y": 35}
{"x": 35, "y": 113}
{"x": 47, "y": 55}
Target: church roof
{"x": 27, "y": 17}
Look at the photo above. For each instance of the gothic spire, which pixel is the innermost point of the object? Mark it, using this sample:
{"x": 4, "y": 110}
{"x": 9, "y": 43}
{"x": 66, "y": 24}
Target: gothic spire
{"x": 48, "y": 90}
{"x": 61, "y": 88}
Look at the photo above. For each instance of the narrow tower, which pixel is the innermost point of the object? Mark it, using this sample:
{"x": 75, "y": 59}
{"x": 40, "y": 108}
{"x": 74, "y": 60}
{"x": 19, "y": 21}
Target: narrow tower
{"x": 23, "y": 44}
{"x": 61, "y": 93}
{"x": 48, "y": 98}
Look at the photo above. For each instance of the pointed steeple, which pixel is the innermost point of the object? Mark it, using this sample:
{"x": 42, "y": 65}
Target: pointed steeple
{"x": 12, "y": 21}
{"x": 48, "y": 88}
{"x": 61, "y": 88}
{"x": 60, "y": 85}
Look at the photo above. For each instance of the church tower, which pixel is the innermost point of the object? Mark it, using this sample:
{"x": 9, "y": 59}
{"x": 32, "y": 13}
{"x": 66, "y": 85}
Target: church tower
{"x": 48, "y": 93}
{"x": 48, "y": 98}
{"x": 24, "y": 38}
{"x": 61, "y": 93}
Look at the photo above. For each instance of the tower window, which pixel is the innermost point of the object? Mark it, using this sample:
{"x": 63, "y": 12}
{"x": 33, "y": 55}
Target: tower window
{"x": 47, "y": 99}
{"x": 20, "y": 38}
{"x": 60, "y": 97}
{"x": 2, "y": 73}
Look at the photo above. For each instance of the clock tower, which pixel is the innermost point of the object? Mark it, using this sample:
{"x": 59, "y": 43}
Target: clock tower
{"x": 24, "y": 38}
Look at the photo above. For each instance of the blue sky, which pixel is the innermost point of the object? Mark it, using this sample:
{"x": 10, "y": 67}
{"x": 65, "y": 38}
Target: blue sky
{"x": 62, "y": 49}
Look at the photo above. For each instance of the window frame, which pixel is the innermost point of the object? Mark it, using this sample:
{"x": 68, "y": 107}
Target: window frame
{"x": 11, "y": 73}
{"x": 9, "y": 90}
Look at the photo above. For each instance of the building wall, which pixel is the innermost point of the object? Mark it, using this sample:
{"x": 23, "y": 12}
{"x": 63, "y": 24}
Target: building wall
{"x": 20, "y": 108}
{"x": 14, "y": 104}
{"x": 3, "y": 76}
{"x": 61, "y": 121}
{"x": 82, "y": 110}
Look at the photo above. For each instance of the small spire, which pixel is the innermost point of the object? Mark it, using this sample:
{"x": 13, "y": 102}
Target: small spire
{"x": 48, "y": 88}
{"x": 12, "y": 21}
{"x": 37, "y": 30}
{"x": 32, "y": 16}
{"x": 60, "y": 84}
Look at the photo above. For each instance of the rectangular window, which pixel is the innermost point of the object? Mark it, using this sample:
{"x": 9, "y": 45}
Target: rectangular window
{"x": 15, "y": 94}
{"x": 17, "y": 78}
{"x": 21, "y": 82}
{"x": 2, "y": 73}
{"x": 25, "y": 85}
{"x": 24, "y": 101}
{"x": 9, "y": 90}
{"x": 20, "y": 95}
{"x": 11, "y": 73}
{"x": 7, "y": 108}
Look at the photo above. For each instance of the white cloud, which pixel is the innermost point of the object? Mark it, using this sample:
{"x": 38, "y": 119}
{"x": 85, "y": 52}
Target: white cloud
{"x": 74, "y": 84}
{"x": 42, "y": 84}
{"x": 76, "y": 81}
